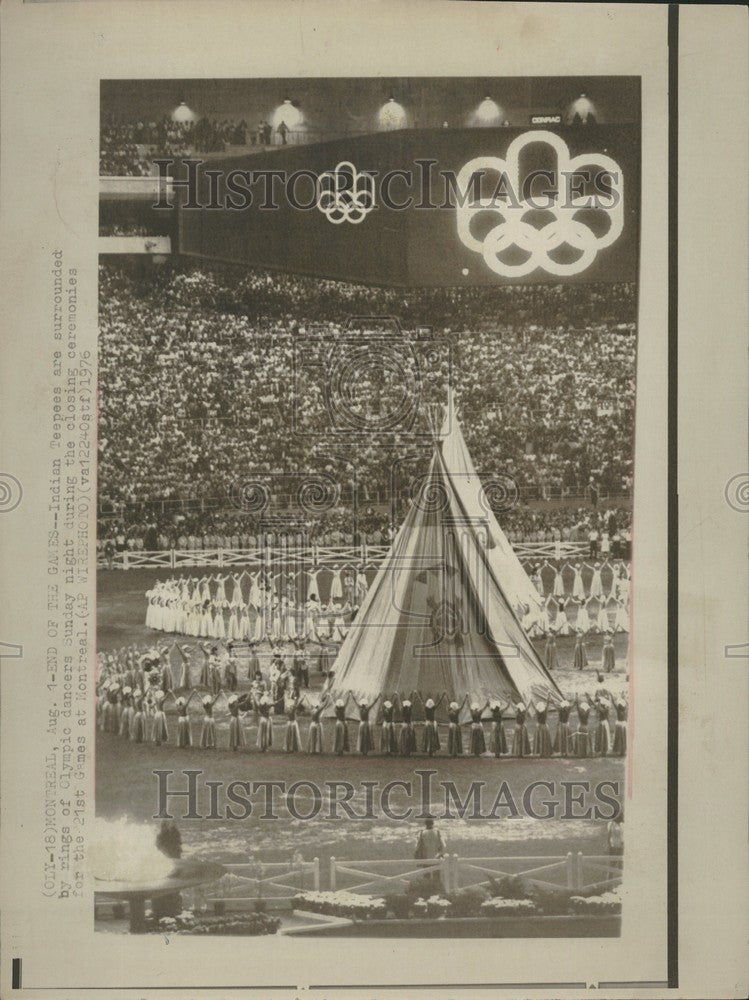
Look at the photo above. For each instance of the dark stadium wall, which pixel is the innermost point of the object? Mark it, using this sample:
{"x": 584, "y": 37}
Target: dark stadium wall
{"x": 414, "y": 246}
{"x": 352, "y": 104}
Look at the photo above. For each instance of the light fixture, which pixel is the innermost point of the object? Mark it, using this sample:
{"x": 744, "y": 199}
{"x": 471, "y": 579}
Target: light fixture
{"x": 582, "y": 109}
{"x": 288, "y": 113}
{"x": 487, "y": 114}
{"x": 392, "y": 115}
{"x": 182, "y": 113}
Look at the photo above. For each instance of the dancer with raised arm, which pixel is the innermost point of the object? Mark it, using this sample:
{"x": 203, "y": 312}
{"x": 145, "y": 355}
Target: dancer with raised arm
{"x": 184, "y": 730}
{"x": 454, "y": 730}
{"x": 315, "y": 732}
{"x": 580, "y": 658}
{"x": 497, "y": 738}
{"x": 581, "y": 738}
{"x": 542, "y": 742}
{"x": 430, "y": 742}
{"x": 236, "y": 732}
{"x": 159, "y": 731}
{"x": 341, "y": 736}
{"x": 608, "y": 664}
{"x": 477, "y": 746}
{"x": 208, "y": 730}
{"x": 364, "y": 736}
{"x": 388, "y": 738}
{"x": 563, "y": 743}
{"x": 292, "y": 737}
{"x": 619, "y": 748}
{"x": 407, "y": 734}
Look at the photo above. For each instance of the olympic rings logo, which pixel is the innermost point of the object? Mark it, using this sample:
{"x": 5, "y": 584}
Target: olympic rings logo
{"x": 513, "y": 231}
{"x": 345, "y": 194}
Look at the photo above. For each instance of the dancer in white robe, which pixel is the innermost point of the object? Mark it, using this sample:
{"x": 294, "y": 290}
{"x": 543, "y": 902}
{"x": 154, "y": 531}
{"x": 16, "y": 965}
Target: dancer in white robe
{"x": 313, "y": 584}
{"x": 559, "y": 583}
{"x": 235, "y": 601}
{"x": 169, "y": 616}
{"x": 183, "y": 608}
{"x": 220, "y": 595}
{"x": 578, "y": 589}
{"x": 219, "y": 628}
{"x": 193, "y": 618}
{"x": 544, "y": 622}
{"x": 244, "y": 624}
{"x": 232, "y": 630}
{"x": 206, "y": 621}
{"x": 539, "y": 625}
{"x": 563, "y": 622}
{"x": 602, "y": 619}
{"x": 361, "y": 585}
{"x": 582, "y": 622}
{"x": 310, "y": 619}
{"x": 256, "y": 598}
{"x": 596, "y": 586}
{"x": 621, "y": 621}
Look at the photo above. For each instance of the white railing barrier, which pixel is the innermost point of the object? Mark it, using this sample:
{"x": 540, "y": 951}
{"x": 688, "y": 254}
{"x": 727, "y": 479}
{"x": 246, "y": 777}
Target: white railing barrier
{"x": 309, "y": 556}
{"x": 392, "y": 874}
{"x": 540, "y": 869}
{"x": 268, "y": 880}
{"x": 606, "y": 869}
{"x": 457, "y": 872}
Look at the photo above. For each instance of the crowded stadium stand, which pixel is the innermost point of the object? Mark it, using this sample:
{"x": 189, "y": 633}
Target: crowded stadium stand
{"x": 196, "y": 373}
{"x": 197, "y": 356}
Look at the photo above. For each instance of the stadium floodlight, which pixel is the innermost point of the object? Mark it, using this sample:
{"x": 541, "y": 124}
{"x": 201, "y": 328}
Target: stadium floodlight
{"x": 487, "y": 114}
{"x": 582, "y": 110}
{"x": 182, "y": 113}
{"x": 392, "y": 115}
{"x": 290, "y": 114}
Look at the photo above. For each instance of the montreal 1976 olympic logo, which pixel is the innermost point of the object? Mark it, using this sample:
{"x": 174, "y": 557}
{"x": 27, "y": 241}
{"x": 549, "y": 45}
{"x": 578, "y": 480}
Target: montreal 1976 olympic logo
{"x": 345, "y": 194}
{"x": 513, "y": 232}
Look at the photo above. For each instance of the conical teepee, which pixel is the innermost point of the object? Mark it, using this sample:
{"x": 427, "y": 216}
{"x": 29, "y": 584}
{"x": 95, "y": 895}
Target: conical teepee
{"x": 440, "y": 616}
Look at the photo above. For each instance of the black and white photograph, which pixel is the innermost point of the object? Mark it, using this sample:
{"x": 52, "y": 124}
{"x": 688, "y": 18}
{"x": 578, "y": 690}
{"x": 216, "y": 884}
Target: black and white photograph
{"x": 367, "y": 385}
{"x": 373, "y": 497}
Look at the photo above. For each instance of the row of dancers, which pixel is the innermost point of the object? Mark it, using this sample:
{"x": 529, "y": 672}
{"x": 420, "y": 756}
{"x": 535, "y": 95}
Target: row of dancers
{"x": 580, "y": 653}
{"x": 539, "y": 622}
{"x": 272, "y": 618}
{"x": 285, "y": 620}
{"x": 219, "y": 668}
{"x": 347, "y": 585}
{"x": 618, "y": 588}
{"x": 139, "y": 718}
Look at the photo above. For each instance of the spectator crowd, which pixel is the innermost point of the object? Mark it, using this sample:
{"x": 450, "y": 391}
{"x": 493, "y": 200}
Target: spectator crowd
{"x": 212, "y": 374}
{"x": 127, "y": 148}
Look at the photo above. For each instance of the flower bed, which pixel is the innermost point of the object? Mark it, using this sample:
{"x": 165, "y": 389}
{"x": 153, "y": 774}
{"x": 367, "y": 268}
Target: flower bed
{"x": 607, "y": 902}
{"x": 510, "y": 897}
{"x": 246, "y": 924}
{"x": 498, "y": 907}
{"x": 433, "y": 906}
{"x": 354, "y": 905}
